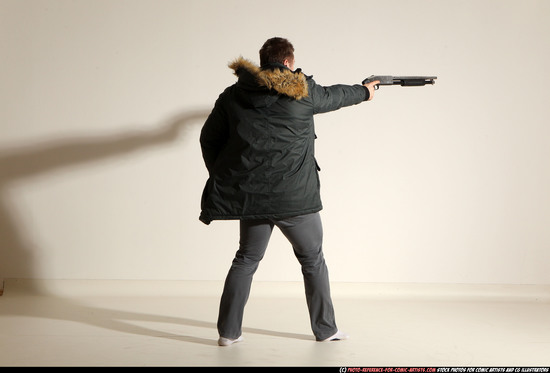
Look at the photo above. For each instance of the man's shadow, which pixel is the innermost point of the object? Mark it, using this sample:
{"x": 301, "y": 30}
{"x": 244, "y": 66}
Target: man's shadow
{"x": 21, "y": 164}
{"x": 17, "y": 252}
{"x": 36, "y": 303}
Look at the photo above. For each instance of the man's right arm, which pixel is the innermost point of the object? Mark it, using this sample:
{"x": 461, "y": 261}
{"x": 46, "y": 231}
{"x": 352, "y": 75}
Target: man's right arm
{"x": 330, "y": 98}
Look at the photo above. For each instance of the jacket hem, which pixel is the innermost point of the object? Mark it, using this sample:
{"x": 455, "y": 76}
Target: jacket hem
{"x": 276, "y": 216}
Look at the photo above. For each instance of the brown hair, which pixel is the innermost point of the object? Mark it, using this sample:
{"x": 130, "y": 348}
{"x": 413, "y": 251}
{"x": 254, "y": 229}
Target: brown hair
{"x": 276, "y": 50}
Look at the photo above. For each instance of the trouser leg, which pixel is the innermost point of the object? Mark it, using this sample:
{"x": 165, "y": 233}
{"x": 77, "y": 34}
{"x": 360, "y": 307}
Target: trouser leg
{"x": 254, "y": 237}
{"x": 305, "y": 233}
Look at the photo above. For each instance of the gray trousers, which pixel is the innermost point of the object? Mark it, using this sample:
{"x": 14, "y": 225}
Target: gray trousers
{"x": 305, "y": 233}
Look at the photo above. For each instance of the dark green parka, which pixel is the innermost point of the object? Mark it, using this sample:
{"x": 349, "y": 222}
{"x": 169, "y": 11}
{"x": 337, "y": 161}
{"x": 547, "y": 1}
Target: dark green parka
{"x": 258, "y": 143}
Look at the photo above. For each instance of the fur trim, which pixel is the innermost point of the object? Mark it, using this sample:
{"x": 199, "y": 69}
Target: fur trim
{"x": 284, "y": 81}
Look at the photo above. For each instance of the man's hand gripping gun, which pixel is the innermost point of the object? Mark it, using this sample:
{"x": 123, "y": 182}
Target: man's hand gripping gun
{"x": 404, "y": 81}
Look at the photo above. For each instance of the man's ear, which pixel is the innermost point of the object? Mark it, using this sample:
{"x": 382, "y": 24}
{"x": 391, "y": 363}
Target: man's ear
{"x": 286, "y": 62}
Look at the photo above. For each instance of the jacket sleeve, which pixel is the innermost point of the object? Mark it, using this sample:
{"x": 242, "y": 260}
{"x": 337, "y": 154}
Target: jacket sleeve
{"x": 214, "y": 134}
{"x": 334, "y": 97}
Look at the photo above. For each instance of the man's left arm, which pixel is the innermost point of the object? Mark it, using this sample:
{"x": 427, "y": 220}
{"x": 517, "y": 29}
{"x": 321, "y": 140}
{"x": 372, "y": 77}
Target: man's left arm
{"x": 213, "y": 135}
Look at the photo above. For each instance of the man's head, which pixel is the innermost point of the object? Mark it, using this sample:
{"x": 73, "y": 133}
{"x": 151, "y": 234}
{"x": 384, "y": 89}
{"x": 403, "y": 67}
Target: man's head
{"x": 278, "y": 50}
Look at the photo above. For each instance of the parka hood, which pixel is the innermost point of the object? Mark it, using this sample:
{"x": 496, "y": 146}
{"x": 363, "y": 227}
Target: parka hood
{"x": 276, "y": 77}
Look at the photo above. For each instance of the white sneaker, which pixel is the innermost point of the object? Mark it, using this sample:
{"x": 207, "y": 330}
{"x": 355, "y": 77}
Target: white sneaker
{"x": 336, "y": 337}
{"x": 227, "y": 342}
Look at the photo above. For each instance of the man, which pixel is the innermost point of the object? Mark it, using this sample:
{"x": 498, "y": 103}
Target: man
{"x": 258, "y": 147}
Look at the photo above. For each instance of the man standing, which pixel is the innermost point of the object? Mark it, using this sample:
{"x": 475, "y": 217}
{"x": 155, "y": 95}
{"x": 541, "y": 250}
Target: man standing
{"x": 258, "y": 147}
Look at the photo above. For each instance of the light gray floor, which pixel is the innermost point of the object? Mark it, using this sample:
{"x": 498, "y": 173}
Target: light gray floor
{"x": 102, "y": 323}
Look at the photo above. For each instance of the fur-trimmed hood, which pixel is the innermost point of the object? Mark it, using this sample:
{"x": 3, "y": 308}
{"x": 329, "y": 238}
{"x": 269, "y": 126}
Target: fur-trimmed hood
{"x": 283, "y": 80}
